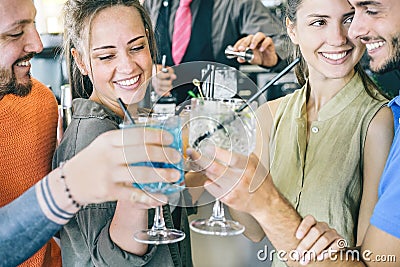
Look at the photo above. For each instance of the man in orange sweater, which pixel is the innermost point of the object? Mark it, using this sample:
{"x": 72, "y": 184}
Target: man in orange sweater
{"x": 35, "y": 204}
{"x": 28, "y": 114}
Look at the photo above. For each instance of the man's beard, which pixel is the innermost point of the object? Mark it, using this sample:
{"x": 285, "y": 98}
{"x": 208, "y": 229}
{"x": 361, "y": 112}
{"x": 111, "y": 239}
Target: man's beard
{"x": 9, "y": 84}
{"x": 393, "y": 62}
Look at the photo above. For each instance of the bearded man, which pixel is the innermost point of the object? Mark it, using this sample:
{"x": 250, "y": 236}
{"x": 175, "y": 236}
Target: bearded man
{"x": 28, "y": 114}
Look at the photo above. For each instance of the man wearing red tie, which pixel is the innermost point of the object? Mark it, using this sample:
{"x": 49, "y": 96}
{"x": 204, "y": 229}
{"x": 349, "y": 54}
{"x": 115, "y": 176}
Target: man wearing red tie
{"x": 200, "y": 30}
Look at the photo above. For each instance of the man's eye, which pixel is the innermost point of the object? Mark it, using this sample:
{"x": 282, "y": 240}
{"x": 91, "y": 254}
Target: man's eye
{"x": 371, "y": 12}
{"x": 16, "y": 35}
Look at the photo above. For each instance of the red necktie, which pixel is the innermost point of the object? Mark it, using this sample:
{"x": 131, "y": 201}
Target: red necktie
{"x": 182, "y": 30}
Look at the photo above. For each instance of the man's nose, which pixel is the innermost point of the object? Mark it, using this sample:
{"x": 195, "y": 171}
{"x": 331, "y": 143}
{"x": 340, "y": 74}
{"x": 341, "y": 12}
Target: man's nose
{"x": 358, "y": 27}
{"x": 33, "y": 42}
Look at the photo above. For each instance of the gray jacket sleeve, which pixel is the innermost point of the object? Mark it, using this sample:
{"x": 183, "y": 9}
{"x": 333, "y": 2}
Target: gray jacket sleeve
{"x": 79, "y": 134}
{"x": 89, "y": 242}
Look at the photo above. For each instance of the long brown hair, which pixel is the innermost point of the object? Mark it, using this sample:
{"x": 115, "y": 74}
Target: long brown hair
{"x": 78, "y": 16}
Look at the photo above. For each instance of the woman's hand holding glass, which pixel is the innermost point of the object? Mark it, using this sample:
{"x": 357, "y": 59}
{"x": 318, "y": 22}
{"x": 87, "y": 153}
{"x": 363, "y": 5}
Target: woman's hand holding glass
{"x": 166, "y": 162}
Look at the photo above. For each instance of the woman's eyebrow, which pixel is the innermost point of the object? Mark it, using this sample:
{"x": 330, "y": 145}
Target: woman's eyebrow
{"x": 111, "y": 46}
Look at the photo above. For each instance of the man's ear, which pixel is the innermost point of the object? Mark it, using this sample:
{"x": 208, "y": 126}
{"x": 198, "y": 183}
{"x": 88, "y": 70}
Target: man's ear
{"x": 79, "y": 62}
{"x": 291, "y": 31}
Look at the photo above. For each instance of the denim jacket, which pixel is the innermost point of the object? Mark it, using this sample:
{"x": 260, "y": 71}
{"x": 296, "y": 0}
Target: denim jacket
{"x": 85, "y": 240}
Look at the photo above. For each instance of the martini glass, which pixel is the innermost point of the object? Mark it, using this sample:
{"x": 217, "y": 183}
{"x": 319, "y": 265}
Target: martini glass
{"x": 159, "y": 233}
{"x": 214, "y": 122}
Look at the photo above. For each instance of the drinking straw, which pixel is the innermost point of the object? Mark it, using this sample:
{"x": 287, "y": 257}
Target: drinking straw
{"x": 269, "y": 84}
{"x": 246, "y": 104}
{"x": 191, "y": 94}
{"x": 126, "y": 112}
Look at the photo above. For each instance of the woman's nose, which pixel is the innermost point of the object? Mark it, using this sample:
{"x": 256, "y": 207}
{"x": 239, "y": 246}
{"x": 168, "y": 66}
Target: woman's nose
{"x": 126, "y": 64}
{"x": 337, "y": 36}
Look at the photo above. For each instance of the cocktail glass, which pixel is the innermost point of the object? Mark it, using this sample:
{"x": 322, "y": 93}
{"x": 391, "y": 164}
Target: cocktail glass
{"x": 159, "y": 233}
{"x": 214, "y": 122}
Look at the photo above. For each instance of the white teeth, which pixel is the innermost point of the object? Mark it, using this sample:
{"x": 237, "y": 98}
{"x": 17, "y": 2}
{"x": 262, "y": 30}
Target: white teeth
{"x": 376, "y": 45}
{"x": 334, "y": 56}
{"x": 128, "y": 82}
{"x": 23, "y": 63}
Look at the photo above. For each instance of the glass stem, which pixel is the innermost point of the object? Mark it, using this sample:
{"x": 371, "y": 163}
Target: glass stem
{"x": 159, "y": 223}
{"x": 218, "y": 211}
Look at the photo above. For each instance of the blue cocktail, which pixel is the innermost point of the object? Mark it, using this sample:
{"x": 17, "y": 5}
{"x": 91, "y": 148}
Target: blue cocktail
{"x": 159, "y": 234}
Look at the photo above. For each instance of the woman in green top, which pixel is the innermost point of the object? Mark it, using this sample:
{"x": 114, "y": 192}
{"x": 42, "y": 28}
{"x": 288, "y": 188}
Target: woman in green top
{"x": 111, "y": 50}
{"x": 330, "y": 139}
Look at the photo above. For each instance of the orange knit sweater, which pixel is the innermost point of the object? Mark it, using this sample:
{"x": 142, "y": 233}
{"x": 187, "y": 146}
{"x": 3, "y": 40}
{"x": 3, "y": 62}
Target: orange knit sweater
{"x": 27, "y": 142}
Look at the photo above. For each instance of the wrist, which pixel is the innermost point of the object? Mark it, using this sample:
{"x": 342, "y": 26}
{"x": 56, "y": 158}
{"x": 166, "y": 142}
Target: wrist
{"x": 264, "y": 198}
{"x": 122, "y": 226}
{"x": 58, "y": 187}
{"x": 52, "y": 199}
{"x": 67, "y": 189}
{"x": 274, "y": 61}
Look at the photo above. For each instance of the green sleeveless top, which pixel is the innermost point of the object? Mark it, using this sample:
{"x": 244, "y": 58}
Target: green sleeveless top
{"x": 324, "y": 177}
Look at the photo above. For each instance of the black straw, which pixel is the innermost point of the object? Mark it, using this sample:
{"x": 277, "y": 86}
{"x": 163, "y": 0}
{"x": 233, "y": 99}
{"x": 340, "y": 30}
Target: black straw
{"x": 127, "y": 114}
{"x": 246, "y": 104}
{"x": 269, "y": 84}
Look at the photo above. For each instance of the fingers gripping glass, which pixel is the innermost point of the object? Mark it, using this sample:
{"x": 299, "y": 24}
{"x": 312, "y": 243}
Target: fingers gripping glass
{"x": 214, "y": 122}
{"x": 159, "y": 233}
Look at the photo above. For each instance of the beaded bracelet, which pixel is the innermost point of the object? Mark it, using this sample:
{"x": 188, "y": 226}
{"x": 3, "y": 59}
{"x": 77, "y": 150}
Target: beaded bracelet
{"x": 67, "y": 190}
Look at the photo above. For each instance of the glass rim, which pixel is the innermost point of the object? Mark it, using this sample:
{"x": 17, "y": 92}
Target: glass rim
{"x": 149, "y": 120}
